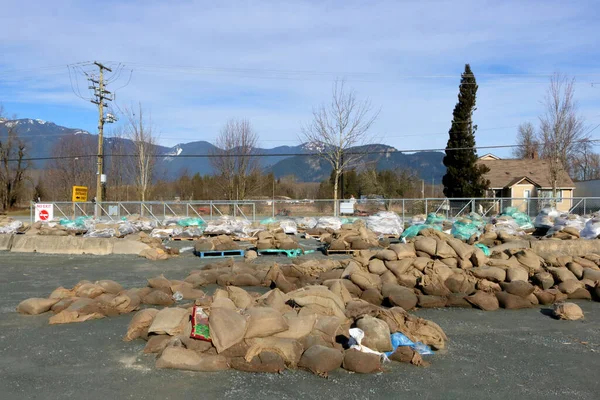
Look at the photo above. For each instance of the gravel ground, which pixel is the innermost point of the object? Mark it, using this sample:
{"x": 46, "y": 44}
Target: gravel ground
{"x": 496, "y": 355}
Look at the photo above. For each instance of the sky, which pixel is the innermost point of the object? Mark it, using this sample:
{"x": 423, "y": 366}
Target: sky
{"x": 195, "y": 64}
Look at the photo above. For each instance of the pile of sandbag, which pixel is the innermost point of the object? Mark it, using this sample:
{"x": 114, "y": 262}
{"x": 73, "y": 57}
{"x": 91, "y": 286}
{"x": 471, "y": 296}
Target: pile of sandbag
{"x": 308, "y": 328}
{"x": 216, "y": 243}
{"x": 350, "y": 237}
{"x": 9, "y": 225}
{"x": 268, "y": 241}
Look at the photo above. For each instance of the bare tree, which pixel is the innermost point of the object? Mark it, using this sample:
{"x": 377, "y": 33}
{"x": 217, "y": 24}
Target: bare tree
{"x": 139, "y": 130}
{"x": 528, "y": 146}
{"x": 561, "y": 127}
{"x": 586, "y": 163}
{"x": 234, "y": 161}
{"x": 13, "y": 166}
{"x": 337, "y": 128}
{"x": 67, "y": 169}
{"x": 120, "y": 166}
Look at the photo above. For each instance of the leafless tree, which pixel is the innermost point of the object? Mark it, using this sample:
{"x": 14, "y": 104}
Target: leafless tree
{"x": 527, "y": 141}
{"x": 67, "y": 169}
{"x": 586, "y": 163}
{"x": 140, "y": 131}
{"x": 561, "y": 127}
{"x": 120, "y": 166}
{"x": 234, "y": 161}
{"x": 338, "y": 127}
{"x": 13, "y": 166}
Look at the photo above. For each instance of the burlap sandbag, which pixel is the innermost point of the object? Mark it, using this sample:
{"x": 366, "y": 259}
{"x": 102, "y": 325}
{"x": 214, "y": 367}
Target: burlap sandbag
{"x": 561, "y": 274}
{"x": 158, "y": 298}
{"x": 461, "y": 283}
{"x": 362, "y": 363}
{"x": 298, "y": 327}
{"x": 63, "y": 304}
{"x": 426, "y": 245}
{"x": 529, "y": 259}
{"x": 290, "y": 350}
{"x": 591, "y": 274}
{"x": 321, "y": 360}
{"x": 265, "y": 321}
{"x": 110, "y": 286}
{"x": 434, "y": 286}
{"x": 400, "y": 267}
{"x": 403, "y": 250}
{"x": 169, "y": 321}
{"x": 518, "y": 288}
{"x": 558, "y": 295}
{"x": 240, "y": 297}
{"x": 377, "y": 333}
{"x": 160, "y": 282}
{"x": 426, "y": 301}
{"x": 227, "y": 327}
{"x": 77, "y": 312}
{"x": 386, "y": 255}
{"x": 400, "y": 296}
{"x": 266, "y": 361}
{"x": 443, "y": 249}
{"x": 275, "y": 299}
{"x": 182, "y": 358}
{"x": 365, "y": 280}
{"x": 484, "y": 301}
{"x": 376, "y": 266}
{"x": 89, "y": 290}
{"x": 511, "y": 301}
{"x": 358, "y": 308}
{"x": 544, "y": 297}
{"x": 36, "y": 306}
{"x": 156, "y": 344}
{"x": 409, "y": 281}
{"x": 62, "y": 293}
{"x": 493, "y": 274}
{"x": 570, "y": 286}
{"x": 463, "y": 250}
{"x": 516, "y": 274}
{"x": 424, "y": 331}
{"x": 126, "y": 302}
{"x": 488, "y": 286}
{"x": 567, "y": 311}
{"x": 458, "y": 300}
{"x": 576, "y": 269}
{"x": 580, "y": 294}
{"x": 140, "y": 322}
{"x": 543, "y": 279}
{"x": 405, "y": 354}
{"x": 421, "y": 263}
{"x": 585, "y": 263}
{"x": 373, "y": 296}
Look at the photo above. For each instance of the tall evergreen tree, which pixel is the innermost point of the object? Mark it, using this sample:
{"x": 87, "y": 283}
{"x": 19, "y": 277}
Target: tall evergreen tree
{"x": 464, "y": 178}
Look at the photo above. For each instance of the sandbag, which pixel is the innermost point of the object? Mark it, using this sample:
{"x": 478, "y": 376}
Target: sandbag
{"x": 376, "y": 266}
{"x": 240, "y": 297}
{"x": 516, "y": 274}
{"x": 576, "y": 269}
{"x": 156, "y": 344}
{"x": 36, "y": 306}
{"x": 426, "y": 301}
{"x": 511, "y": 301}
{"x": 373, "y": 296}
{"x": 62, "y": 293}
{"x": 89, "y": 290}
{"x": 160, "y": 282}
{"x": 365, "y": 280}
{"x": 321, "y": 360}
{"x": 484, "y": 301}
{"x": 518, "y": 288}
{"x": 264, "y": 362}
{"x": 544, "y": 279}
{"x": 460, "y": 283}
{"x": 493, "y": 274}
{"x": 425, "y": 245}
{"x": 227, "y": 327}
{"x": 140, "y": 322}
{"x": 434, "y": 286}
{"x": 386, "y": 255}
{"x": 377, "y": 334}
{"x": 580, "y": 294}
{"x": 403, "y": 250}
{"x": 567, "y": 311}
{"x": 290, "y": 350}
{"x": 591, "y": 274}
{"x": 169, "y": 321}
{"x": 125, "y": 303}
{"x": 182, "y": 358}
{"x": 561, "y": 274}
{"x": 265, "y": 321}
{"x": 570, "y": 286}
{"x": 458, "y": 300}
{"x": 400, "y": 296}
{"x": 399, "y": 267}
{"x": 362, "y": 363}
{"x": 245, "y": 280}
{"x": 158, "y": 298}
{"x": 424, "y": 331}
{"x": 298, "y": 327}
{"x": 110, "y": 286}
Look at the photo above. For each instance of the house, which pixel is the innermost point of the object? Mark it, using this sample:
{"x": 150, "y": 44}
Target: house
{"x": 520, "y": 180}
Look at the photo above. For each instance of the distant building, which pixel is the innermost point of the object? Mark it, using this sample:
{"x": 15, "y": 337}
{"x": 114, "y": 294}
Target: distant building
{"x": 523, "y": 179}
{"x": 589, "y": 188}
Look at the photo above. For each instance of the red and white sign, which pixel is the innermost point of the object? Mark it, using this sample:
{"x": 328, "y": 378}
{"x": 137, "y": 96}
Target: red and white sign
{"x": 44, "y": 212}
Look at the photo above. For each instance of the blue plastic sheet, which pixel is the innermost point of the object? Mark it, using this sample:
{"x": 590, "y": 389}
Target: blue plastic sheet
{"x": 414, "y": 230}
{"x": 483, "y": 248}
{"x": 399, "y": 339}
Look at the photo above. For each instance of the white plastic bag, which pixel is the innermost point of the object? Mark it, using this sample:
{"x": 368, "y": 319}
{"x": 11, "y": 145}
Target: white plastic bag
{"x": 592, "y": 228}
{"x": 289, "y": 227}
{"x": 356, "y": 337}
{"x": 386, "y": 223}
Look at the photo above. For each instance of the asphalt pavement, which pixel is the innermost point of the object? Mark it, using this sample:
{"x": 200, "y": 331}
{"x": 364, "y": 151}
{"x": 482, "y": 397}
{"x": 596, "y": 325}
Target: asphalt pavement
{"x": 493, "y": 355}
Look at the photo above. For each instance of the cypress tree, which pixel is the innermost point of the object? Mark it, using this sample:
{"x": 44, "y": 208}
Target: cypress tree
{"x": 464, "y": 178}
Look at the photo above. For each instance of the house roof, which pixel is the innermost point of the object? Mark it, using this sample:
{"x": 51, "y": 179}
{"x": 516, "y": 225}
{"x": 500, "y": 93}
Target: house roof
{"x": 508, "y": 172}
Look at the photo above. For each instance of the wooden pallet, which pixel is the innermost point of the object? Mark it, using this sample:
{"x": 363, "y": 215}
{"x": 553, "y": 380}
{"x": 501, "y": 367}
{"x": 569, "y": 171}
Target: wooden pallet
{"x": 234, "y": 238}
{"x": 219, "y": 253}
{"x": 184, "y": 239}
{"x": 290, "y": 253}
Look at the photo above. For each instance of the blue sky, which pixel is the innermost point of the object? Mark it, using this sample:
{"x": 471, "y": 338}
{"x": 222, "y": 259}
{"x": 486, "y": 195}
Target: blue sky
{"x": 197, "y": 63}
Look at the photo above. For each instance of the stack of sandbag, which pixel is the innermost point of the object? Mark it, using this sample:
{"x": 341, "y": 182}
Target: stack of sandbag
{"x": 308, "y": 328}
{"x": 269, "y": 240}
{"x": 567, "y": 227}
{"x": 216, "y": 243}
{"x": 350, "y": 237}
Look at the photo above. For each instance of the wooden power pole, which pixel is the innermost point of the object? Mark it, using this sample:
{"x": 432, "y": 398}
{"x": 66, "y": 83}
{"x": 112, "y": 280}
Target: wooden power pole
{"x": 101, "y": 95}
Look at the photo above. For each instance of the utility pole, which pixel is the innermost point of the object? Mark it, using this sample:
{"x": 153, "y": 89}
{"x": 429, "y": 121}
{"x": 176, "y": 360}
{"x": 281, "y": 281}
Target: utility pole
{"x": 101, "y": 95}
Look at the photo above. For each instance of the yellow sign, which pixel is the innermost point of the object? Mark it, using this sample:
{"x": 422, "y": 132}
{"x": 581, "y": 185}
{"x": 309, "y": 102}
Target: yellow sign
{"x": 80, "y": 193}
